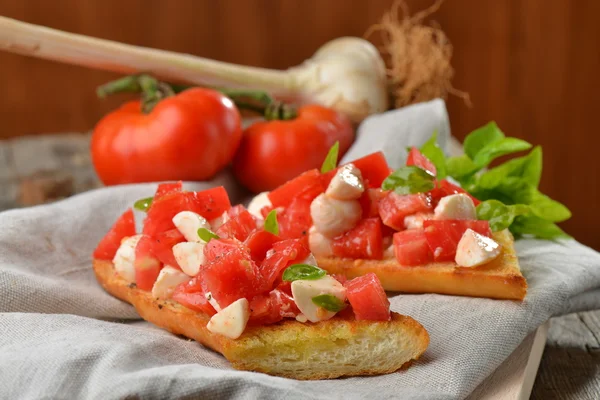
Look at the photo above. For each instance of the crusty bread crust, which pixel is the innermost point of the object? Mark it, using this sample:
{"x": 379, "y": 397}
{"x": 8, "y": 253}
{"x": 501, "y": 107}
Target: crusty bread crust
{"x": 499, "y": 279}
{"x": 328, "y": 349}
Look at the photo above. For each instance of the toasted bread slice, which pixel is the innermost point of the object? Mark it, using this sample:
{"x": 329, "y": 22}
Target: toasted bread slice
{"x": 328, "y": 349}
{"x": 498, "y": 279}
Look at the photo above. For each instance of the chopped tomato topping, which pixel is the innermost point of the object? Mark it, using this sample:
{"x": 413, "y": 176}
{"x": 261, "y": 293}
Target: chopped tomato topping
{"x": 192, "y": 294}
{"x": 167, "y": 188}
{"x": 367, "y": 298}
{"x": 272, "y": 307}
{"x": 369, "y": 201}
{"x": 283, "y": 254}
{"x": 108, "y": 246}
{"x": 393, "y": 208}
{"x": 374, "y": 169}
{"x": 443, "y": 235}
{"x": 209, "y": 203}
{"x": 163, "y": 246}
{"x": 295, "y": 220}
{"x": 238, "y": 226}
{"x": 307, "y": 185}
{"x": 416, "y": 158}
{"x": 450, "y": 188}
{"x": 411, "y": 248}
{"x": 259, "y": 242}
{"x": 364, "y": 241}
{"x": 232, "y": 276}
{"x": 340, "y": 278}
{"x": 216, "y": 248}
{"x": 147, "y": 266}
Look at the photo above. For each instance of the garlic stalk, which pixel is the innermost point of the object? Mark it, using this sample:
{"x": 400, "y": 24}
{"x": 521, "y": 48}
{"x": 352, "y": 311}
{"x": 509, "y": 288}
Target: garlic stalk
{"x": 347, "y": 74}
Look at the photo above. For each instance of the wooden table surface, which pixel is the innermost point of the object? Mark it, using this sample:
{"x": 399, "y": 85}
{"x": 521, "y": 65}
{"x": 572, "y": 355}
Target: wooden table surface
{"x": 29, "y": 167}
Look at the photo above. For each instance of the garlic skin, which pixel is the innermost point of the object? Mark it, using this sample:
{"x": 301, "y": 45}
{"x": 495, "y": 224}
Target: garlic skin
{"x": 346, "y": 74}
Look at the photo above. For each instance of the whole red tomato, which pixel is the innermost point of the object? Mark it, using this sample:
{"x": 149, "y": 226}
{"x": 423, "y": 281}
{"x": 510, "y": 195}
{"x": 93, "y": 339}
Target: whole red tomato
{"x": 190, "y": 136}
{"x": 273, "y": 152}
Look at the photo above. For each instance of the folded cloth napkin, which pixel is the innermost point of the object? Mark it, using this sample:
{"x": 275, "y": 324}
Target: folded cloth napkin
{"x": 63, "y": 337}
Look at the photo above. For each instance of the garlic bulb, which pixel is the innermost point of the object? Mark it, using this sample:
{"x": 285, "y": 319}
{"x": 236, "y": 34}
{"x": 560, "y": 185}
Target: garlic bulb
{"x": 347, "y": 74}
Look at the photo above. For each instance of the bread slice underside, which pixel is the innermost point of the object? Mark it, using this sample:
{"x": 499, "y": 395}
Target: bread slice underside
{"x": 498, "y": 279}
{"x": 327, "y": 349}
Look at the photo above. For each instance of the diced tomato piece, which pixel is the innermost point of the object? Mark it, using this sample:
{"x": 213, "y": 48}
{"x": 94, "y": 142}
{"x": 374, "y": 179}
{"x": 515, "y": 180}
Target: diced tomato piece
{"x": 216, "y": 248}
{"x": 308, "y": 185}
{"x": 295, "y": 220}
{"x": 192, "y": 294}
{"x": 236, "y": 210}
{"x": 374, "y": 169}
{"x": 238, "y": 226}
{"x": 167, "y": 188}
{"x": 285, "y": 287}
{"x": 209, "y": 203}
{"x": 369, "y": 201}
{"x": 411, "y": 247}
{"x": 364, "y": 241}
{"x": 272, "y": 307}
{"x": 340, "y": 278}
{"x": 450, "y": 188}
{"x": 284, "y": 254}
{"x": 416, "y": 158}
{"x": 443, "y": 235}
{"x": 393, "y": 208}
{"x": 328, "y": 176}
{"x": 266, "y": 210}
{"x": 163, "y": 246}
{"x": 259, "y": 242}
{"x": 147, "y": 266}
{"x": 232, "y": 276}
{"x": 108, "y": 246}
{"x": 367, "y": 298}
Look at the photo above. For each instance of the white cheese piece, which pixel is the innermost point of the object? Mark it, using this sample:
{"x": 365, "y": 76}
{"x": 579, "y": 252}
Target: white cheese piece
{"x": 220, "y": 220}
{"x": 303, "y": 292}
{"x": 189, "y": 256}
{"x": 212, "y": 301}
{"x": 347, "y": 184}
{"x": 188, "y": 223}
{"x": 332, "y": 217}
{"x": 125, "y": 257}
{"x": 319, "y": 244}
{"x": 167, "y": 281}
{"x": 301, "y": 318}
{"x": 257, "y": 203}
{"x": 309, "y": 260}
{"x": 415, "y": 221}
{"x": 231, "y": 321}
{"x": 474, "y": 249}
{"x": 455, "y": 206}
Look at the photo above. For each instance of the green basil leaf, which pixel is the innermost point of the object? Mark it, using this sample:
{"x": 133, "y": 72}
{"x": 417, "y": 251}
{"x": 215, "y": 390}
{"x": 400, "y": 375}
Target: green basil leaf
{"x": 331, "y": 159}
{"x": 460, "y": 167}
{"x": 143, "y": 204}
{"x": 434, "y": 153}
{"x": 536, "y": 226}
{"x": 329, "y": 302}
{"x": 499, "y": 215}
{"x": 271, "y": 224}
{"x": 541, "y": 205}
{"x": 408, "y": 180}
{"x": 481, "y": 137}
{"x": 207, "y": 234}
{"x": 528, "y": 168}
{"x": 302, "y": 271}
{"x": 499, "y": 148}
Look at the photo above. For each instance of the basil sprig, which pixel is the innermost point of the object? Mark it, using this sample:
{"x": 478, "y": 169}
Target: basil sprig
{"x": 302, "y": 271}
{"x": 409, "y": 180}
{"x": 331, "y": 159}
{"x": 271, "y": 224}
{"x": 143, "y": 204}
{"x": 207, "y": 235}
{"x": 329, "y": 302}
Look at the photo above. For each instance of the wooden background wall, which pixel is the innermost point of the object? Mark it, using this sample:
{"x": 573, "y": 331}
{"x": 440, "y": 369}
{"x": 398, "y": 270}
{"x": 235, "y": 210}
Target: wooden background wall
{"x": 531, "y": 65}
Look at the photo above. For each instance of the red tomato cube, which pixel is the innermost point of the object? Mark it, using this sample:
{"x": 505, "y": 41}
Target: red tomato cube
{"x": 295, "y": 220}
{"x": 284, "y": 254}
{"x": 308, "y": 185}
{"x": 367, "y": 298}
{"x": 232, "y": 276}
{"x": 239, "y": 226}
{"x": 259, "y": 242}
{"x": 147, "y": 266}
{"x": 123, "y": 227}
{"x": 393, "y": 208}
{"x": 369, "y": 201}
{"x": 192, "y": 294}
{"x": 443, "y": 235}
{"x": 416, "y": 158}
{"x": 364, "y": 241}
{"x": 411, "y": 247}
{"x": 163, "y": 246}
{"x": 374, "y": 169}
{"x": 167, "y": 188}
{"x": 450, "y": 188}
{"x": 216, "y": 248}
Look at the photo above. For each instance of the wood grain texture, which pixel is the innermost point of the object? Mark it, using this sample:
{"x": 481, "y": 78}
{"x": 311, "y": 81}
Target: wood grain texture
{"x": 530, "y": 65}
